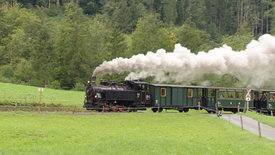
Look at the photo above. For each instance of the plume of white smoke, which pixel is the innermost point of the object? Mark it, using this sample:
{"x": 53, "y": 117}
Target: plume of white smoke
{"x": 254, "y": 65}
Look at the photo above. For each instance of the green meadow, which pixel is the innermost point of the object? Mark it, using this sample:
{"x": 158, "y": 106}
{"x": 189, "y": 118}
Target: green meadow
{"x": 13, "y": 93}
{"x": 126, "y": 133}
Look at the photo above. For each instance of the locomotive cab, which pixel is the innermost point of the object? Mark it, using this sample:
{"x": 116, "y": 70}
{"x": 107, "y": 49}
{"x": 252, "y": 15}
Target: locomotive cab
{"x": 142, "y": 89}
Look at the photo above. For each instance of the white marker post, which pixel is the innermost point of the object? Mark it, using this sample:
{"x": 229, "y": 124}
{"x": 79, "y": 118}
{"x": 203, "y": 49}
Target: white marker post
{"x": 40, "y": 99}
{"x": 248, "y": 98}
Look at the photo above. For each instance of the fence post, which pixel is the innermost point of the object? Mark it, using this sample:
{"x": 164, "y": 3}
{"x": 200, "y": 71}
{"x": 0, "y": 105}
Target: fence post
{"x": 74, "y": 109}
{"x": 259, "y": 129}
{"x": 39, "y": 108}
{"x": 238, "y": 108}
{"x": 241, "y": 117}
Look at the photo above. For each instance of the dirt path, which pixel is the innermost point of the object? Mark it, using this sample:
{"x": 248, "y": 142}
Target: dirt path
{"x": 251, "y": 125}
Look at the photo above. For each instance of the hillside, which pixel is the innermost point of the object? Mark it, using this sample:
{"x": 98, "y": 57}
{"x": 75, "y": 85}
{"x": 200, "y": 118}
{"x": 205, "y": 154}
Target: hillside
{"x": 13, "y": 93}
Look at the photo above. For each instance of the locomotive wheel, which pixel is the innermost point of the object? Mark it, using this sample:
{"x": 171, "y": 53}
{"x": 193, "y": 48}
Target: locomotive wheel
{"x": 114, "y": 109}
{"x": 180, "y": 110}
{"x": 120, "y": 109}
{"x": 154, "y": 109}
{"x": 99, "y": 110}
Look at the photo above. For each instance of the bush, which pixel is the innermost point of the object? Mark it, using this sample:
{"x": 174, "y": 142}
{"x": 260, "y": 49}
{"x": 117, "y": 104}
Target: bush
{"x": 55, "y": 84}
{"x": 79, "y": 86}
{"x": 7, "y": 71}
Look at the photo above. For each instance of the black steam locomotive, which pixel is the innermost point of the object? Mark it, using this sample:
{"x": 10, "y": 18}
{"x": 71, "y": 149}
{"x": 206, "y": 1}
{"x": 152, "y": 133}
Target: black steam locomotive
{"x": 112, "y": 96}
{"x": 136, "y": 95}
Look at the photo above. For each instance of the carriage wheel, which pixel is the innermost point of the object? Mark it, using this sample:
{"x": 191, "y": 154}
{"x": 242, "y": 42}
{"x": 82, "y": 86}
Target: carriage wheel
{"x": 160, "y": 109}
{"x": 186, "y": 110}
{"x": 154, "y": 109}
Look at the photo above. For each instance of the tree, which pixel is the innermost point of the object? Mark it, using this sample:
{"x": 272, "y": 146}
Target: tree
{"x": 116, "y": 45}
{"x": 43, "y": 56}
{"x": 194, "y": 39}
{"x": 169, "y": 11}
{"x": 125, "y": 13}
{"x": 150, "y": 35}
{"x": 70, "y": 45}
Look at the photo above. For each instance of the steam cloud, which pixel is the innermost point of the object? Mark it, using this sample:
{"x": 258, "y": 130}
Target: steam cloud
{"x": 254, "y": 65}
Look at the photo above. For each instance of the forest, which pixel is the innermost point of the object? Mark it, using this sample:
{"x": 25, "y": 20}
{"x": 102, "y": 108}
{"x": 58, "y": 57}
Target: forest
{"x": 58, "y": 43}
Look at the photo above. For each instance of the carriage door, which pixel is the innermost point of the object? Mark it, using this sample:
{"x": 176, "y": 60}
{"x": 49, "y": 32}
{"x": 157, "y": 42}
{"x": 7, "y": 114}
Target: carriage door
{"x": 143, "y": 94}
{"x": 203, "y": 97}
{"x": 256, "y": 99}
{"x": 211, "y": 97}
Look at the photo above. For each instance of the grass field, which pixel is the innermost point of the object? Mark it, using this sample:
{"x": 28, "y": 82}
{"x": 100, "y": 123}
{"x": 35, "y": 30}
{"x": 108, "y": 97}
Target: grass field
{"x": 29, "y": 94}
{"x": 261, "y": 117}
{"x": 126, "y": 133}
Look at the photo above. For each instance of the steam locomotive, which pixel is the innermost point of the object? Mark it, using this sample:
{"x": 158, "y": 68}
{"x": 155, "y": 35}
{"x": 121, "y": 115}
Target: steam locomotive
{"x": 130, "y": 95}
{"x": 136, "y": 95}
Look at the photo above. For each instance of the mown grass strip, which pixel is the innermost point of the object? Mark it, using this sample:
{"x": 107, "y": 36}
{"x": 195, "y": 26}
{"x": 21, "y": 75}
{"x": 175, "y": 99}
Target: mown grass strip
{"x": 127, "y": 133}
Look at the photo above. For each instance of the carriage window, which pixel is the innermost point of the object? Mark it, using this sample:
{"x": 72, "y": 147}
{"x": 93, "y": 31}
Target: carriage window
{"x": 200, "y": 92}
{"x": 211, "y": 92}
{"x": 255, "y": 96}
{"x": 272, "y": 96}
{"x": 190, "y": 93}
{"x": 222, "y": 94}
{"x": 162, "y": 92}
{"x": 239, "y": 95}
{"x": 230, "y": 94}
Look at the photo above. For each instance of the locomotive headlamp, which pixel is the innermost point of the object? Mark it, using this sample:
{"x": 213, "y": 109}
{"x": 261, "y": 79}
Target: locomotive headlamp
{"x": 98, "y": 95}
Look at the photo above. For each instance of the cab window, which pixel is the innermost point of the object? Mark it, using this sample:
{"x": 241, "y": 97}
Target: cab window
{"x": 190, "y": 93}
{"x": 162, "y": 92}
